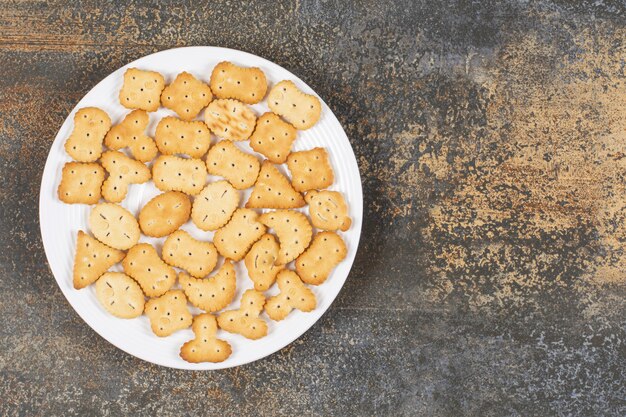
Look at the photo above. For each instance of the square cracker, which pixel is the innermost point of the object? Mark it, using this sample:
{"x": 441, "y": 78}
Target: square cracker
{"x": 81, "y": 183}
{"x": 186, "y": 96}
{"x": 141, "y": 89}
{"x": 273, "y": 137}
{"x": 310, "y": 170}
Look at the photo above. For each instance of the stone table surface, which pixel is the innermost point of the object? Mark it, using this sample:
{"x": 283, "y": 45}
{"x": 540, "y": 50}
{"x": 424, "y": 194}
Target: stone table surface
{"x": 491, "y": 139}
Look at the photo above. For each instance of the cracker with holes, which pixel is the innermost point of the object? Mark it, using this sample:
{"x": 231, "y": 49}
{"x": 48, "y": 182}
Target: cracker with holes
{"x": 171, "y": 173}
{"x": 213, "y": 293}
{"x": 261, "y": 262}
{"x": 245, "y": 321}
{"x": 80, "y": 183}
{"x": 273, "y": 190}
{"x": 85, "y": 142}
{"x": 215, "y": 205}
{"x": 123, "y": 171}
{"x": 244, "y": 84}
{"x": 120, "y": 295}
{"x": 114, "y": 226}
{"x": 141, "y": 89}
{"x": 186, "y": 96}
{"x": 235, "y": 239}
{"x": 317, "y": 262}
{"x": 300, "y": 109}
{"x": 168, "y": 313}
{"x": 293, "y": 230}
{"x": 206, "y": 347}
{"x": 273, "y": 138}
{"x": 142, "y": 263}
{"x": 230, "y": 119}
{"x": 239, "y": 168}
{"x": 164, "y": 214}
{"x": 174, "y": 136}
{"x": 328, "y": 210}
{"x": 293, "y": 295}
{"x": 92, "y": 259}
{"x": 310, "y": 170}
{"x": 194, "y": 256}
{"x": 130, "y": 133}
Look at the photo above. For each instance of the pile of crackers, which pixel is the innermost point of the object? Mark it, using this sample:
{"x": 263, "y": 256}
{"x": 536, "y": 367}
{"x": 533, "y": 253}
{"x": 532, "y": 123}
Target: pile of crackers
{"x": 181, "y": 155}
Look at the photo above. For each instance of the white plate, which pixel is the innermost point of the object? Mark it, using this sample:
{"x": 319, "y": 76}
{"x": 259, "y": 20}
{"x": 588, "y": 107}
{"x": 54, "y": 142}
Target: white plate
{"x": 60, "y": 222}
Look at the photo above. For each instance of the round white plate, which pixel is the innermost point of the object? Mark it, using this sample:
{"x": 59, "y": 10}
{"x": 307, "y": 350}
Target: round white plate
{"x": 60, "y": 222}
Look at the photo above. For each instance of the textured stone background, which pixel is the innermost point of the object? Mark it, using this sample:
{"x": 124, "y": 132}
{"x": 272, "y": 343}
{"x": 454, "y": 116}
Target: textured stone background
{"x": 491, "y": 138}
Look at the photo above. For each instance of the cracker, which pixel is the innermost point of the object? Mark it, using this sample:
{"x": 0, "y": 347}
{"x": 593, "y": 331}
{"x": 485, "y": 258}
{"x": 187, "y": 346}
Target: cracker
{"x": 168, "y": 313}
{"x": 141, "y": 89}
{"x": 123, "y": 171}
{"x": 142, "y": 263}
{"x": 239, "y": 168}
{"x": 245, "y": 321}
{"x": 215, "y": 205}
{"x": 120, "y": 295}
{"x": 92, "y": 259}
{"x": 80, "y": 183}
{"x": 300, "y": 109}
{"x": 328, "y": 210}
{"x": 244, "y": 84}
{"x": 273, "y": 190}
{"x": 261, "y": 262}
{"x": 164, "y": 214}
{"x": 194, "y": 256}
{"x": 317, "y": 262}
{"x": 273, "y": 137}
{"x": 293, "y": 295}
{"x": 130, "y": 133}
{"x": 235, "y": 239}
{"x": 230, "y": 119}
{"x": 206, "y": 347}
{"x": 171, "y": 173}
{"x": 175, "y": 136}
{"x": 213, "y": 293}
{"x": 310, "y": 170}
{"x": 114, "y": 226}
{"x": 294, "y": 233}
{"x": 186, "y": 96}
{"x": 85, "y": 142}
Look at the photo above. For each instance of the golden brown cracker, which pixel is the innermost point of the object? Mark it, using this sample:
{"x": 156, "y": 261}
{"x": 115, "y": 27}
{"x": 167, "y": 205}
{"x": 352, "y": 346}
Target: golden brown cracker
{"x": 215, "y": 205}
{"x": 80, "y": 183}
{"x": 142, "y": 263}
{"x": 141, "y": 89}
{"x": 293, "y": 230}
{"x": 310, "y": 170}
{"x": 317, "y": 262}
{"x": 114, "y": 226}
{"x": 239, "y": 168}
{"x": 206, "y": 347}
{"x": 92, "y": 259}
{"x": 235, "y": 239}
{"x": 186, "y": 96}
{"x": 248, "y": 85}
{"x": 300, "y": 109}
{"x": 328, "y": 210}
{"x": 230, "y": 119}
{"x": 273, "y": 190}
{"x": 164, "y": 214}
{"x": 85, "y": 142}
{"x": 245, "y": 321}
{"x": 194, "y": 256}
{"x": 123, "y": 171}
{"x": 120, "y": 295}
{"x": 293, "y": 295}
{"x": 175, "y": 136}
{"x": 261, "y": 262}
{"x": 273, "y": 138}
{"x": 130, "y": 133}
{"x": 213, "y": 293}
{"x": 168, "y": 313}
{"x": 171, "y": 173}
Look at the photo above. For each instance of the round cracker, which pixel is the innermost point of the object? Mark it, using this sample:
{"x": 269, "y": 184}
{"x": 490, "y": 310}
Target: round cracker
{"x": 120, "y": 295}
{"x": 113, "y": 225}
{"x": 215, "y": 205}
{"x": 164, "y": 214}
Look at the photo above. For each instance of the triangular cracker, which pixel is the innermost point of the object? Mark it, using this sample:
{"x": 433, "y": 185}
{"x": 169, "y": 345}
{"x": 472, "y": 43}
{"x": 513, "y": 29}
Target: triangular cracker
{"x": 274, "y": 190}
{"x": 92, "y": 260}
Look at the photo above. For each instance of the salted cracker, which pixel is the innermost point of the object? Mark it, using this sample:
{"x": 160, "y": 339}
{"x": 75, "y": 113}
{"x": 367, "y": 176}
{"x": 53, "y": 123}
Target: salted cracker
{"x": 212, "y": 293}
{"x": 215, "y": 205}
{"x": 194, "y": 256}
{"x": 293, "y": 295}
{"x": 317, "y": 262}
{"x": 114, "y": 226}
{"x": 186, "y": 95}
{"x": 235, "y": 239}
{"x": 273, "y": 190}
{"x": 174, "y": 136}
{"x": 239, "y": 168}
{"x": 310, "y": 170}
{"x": 230, "y": 119}
{"x": 300, "y": 109}
{"x": 261, "y": 262}
{"x": 92, "y": 259}
{"x": 328, "y": 210}
{"x": 164, "y": 214}
{"x": 246, "y": 84}
{"x": 141, "y": 89}
{"x": 130, "y": 133}
{"x": 120, "y": 295}
{"x": 123, "y": 171}
{"x": 205, "y": 347}
{"x": 85, "y": 142}
{"x": 168, "y": 313}
{"x": 143, "y": 263}
{"x": 81, "y": 183}
{"x": 245, "y": 320}
{"x": 273, "y": 137}
{"x": 171, "y": 173}
{"x": 293, "y": 230}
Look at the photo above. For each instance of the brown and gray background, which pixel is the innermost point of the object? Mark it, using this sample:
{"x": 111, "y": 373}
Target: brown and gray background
{"x": 491, "y": 139}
